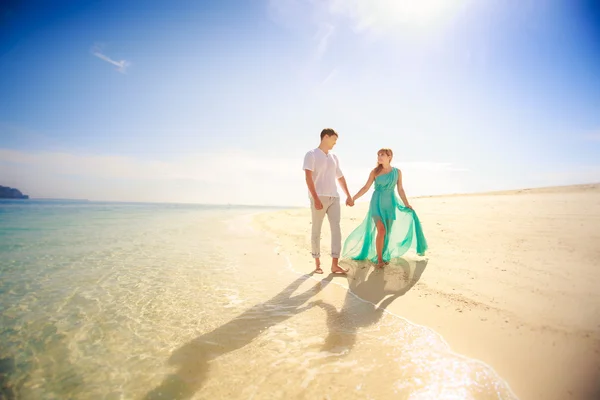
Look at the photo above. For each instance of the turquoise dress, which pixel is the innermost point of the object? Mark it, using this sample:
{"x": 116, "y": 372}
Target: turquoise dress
{"x": 402, "y": 225}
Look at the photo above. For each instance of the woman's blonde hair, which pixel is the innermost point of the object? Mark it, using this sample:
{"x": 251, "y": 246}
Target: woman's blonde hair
{"x": 387, "y": 152}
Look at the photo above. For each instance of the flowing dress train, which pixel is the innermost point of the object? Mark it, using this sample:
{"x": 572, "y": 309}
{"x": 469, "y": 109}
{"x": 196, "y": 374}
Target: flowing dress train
{"x": 402, "y": 226}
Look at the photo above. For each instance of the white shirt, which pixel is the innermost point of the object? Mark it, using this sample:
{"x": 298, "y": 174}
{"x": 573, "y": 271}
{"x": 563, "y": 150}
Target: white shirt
{"x": 325, "y": 171}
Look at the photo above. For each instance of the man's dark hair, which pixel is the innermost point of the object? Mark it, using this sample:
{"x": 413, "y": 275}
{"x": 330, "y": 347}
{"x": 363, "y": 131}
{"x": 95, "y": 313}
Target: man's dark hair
{"x": 328, "y": 132}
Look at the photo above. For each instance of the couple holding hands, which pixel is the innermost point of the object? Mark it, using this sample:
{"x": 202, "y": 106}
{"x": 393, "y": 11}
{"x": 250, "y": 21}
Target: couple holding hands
{"x": 391, "y": 226}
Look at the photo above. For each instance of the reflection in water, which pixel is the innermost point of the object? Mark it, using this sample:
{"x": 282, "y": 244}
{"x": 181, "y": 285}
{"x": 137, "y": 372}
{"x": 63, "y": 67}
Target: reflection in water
{"x": 7, "y": 367}
{"x": 395, "y": 279}
{"x": 193, "y": 358}
{"x": 371, "y": 286}
{"x": 47, "y": 358}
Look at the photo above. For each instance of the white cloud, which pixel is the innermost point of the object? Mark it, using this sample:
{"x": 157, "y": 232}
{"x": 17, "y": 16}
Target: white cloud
{"x": 323, "y": 36}
{"x": 329, "y": 77}
{"x": 209, "y": 167}
{"x": 232, "y": 176}
{"x": 122, "y": 64}
{"x": 310, "y": 19}
{"x": 326, "y": 24}
{"x": 366, "y": 15}
{"x": 90, "y": 165}
{"x": 569, "y": 176}
{"x": 228, "y": 177}
{"x": 379, "y": 15}
{"x": 434, "y": 166}
{"x": 418, "y": 178}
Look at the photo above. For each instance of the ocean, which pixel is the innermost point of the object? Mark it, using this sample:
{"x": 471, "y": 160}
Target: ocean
{"x": 164, "y": 301}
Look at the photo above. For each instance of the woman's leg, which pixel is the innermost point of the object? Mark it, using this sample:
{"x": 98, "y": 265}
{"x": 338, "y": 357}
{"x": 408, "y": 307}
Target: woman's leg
{"x": 379, "y": 242}
{"x": 387, "y": 236}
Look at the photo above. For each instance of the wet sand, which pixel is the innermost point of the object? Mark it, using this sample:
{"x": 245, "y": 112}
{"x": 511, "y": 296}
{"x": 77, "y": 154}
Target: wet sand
{"x": 511, "y": 279}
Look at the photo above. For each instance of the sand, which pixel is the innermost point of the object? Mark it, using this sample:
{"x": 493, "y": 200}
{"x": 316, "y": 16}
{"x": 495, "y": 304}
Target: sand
{"x": 512, "y": 279}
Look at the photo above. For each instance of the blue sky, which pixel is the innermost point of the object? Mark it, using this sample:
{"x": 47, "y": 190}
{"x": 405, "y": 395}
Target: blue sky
{"x": 217, "y": 102}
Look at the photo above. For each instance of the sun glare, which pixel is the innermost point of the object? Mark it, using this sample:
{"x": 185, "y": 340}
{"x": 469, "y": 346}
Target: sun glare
{"x": 379, "y": 14}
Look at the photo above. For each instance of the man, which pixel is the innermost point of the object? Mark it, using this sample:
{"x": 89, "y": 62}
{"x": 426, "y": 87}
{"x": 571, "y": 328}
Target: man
{"x": 322, "y": 168}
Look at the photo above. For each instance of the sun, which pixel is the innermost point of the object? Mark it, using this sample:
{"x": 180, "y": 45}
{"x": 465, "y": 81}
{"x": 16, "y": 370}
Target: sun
{"x": 427, "y": 11}
{"x": 381, "y": 14}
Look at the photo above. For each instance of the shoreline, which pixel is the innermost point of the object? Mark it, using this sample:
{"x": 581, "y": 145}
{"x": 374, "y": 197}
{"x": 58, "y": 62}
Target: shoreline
{"x": 528, "y": 190}
{"x": 346, "y": 287}
{"x": 494, "y": 289}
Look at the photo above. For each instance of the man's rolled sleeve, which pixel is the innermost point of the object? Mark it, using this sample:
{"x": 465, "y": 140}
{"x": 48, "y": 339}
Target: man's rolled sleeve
{"x": 309, "y": 162}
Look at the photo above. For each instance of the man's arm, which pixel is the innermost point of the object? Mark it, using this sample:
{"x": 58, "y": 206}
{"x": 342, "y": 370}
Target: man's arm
{"x": 309, "y": 166}
{"x": 310, "y": 184}
{"x": 342, "y": 181}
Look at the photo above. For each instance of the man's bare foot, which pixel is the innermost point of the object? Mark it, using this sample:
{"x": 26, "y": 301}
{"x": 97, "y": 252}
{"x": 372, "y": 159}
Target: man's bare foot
{"x": 336, "y": 269}
{"x": 318, "y": 269}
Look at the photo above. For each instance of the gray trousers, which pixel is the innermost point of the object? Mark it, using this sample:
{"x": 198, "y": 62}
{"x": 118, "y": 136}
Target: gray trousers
{"x": 331, "y": 208}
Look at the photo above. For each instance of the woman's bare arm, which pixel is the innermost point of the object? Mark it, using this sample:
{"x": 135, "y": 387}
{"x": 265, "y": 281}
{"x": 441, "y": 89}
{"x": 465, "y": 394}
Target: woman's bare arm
{"x": 401, "y": 191}
{"x": 365, "y": 188}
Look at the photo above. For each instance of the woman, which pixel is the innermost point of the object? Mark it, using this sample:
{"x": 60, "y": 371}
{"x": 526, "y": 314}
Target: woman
{"x": 390, "y": 228}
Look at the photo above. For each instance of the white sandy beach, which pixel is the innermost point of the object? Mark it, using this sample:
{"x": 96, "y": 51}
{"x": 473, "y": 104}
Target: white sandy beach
{"x": 512, "y": 280}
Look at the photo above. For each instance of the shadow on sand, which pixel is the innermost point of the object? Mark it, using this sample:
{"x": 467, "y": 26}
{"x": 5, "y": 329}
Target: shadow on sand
{"x": 371, "y": 292}
{"x": 193, "y": 357}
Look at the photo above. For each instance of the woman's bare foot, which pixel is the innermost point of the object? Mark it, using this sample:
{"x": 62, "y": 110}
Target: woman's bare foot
{"x": 380, "y": 264}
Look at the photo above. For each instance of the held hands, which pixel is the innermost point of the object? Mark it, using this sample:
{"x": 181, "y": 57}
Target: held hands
{"x": 319, "y": 204}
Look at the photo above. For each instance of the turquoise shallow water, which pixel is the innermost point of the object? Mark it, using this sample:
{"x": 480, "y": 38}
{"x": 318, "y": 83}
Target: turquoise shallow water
{"x": 151, "y": 301}
{"x": 82, "y": 283}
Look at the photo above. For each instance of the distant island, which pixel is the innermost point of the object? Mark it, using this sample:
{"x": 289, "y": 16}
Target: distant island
{"x": 11, "y": 193}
